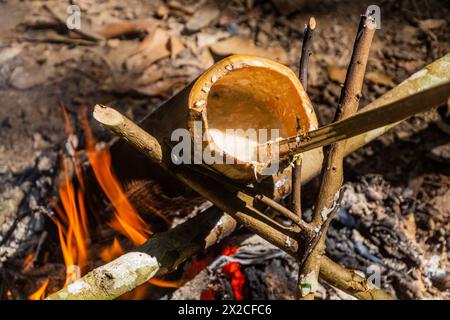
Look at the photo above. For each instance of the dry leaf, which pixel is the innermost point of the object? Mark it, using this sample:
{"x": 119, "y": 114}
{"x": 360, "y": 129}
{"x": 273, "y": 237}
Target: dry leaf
{"x": 380, "y": 78}
{"x": 117, "y": 29}
{"x": 150, "y": 75}
{"x": 336, "y": 73}
{"x": 9, "y": 53}
{"x": 23, "y": 78}
{"x": 153, "y": 48}
{"x": 408, "y": 223}
{"x": 203, "y": 17}
{"x": 176, "y": 46}
{"x": 162, "y": 11}
{"x": 206, "y": 59}
{"x": 244, "y": 45}
{"x": 430, "y": 24}
{"x": 442, "y": 204}
{"x": 161, "y": 88}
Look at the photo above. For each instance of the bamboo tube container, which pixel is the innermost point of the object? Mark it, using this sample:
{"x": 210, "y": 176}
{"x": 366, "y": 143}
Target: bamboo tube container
{"x": 238, "y": 92}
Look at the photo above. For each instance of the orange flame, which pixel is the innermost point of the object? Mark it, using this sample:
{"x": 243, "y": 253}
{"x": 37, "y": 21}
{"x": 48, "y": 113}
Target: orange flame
{"x": 39, "y": 294}
{"x": 126, "y": 220}
{"x": 27, "y": 262}
{"x": 166, "y": 284}
{"x": 233, "y": 270}
{"x": 72, "y": 223}
{"x": 111, "y": 252}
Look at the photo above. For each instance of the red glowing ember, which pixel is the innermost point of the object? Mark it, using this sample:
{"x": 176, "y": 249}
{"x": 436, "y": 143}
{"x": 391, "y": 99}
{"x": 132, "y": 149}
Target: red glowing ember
{"x": 233, "y": 270}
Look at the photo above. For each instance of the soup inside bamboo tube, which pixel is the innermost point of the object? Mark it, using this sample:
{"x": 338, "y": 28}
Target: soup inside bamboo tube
{"x": 251, "y": 98}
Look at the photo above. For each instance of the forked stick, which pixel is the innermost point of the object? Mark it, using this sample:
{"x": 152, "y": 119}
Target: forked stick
{"x": 332, "y": 170}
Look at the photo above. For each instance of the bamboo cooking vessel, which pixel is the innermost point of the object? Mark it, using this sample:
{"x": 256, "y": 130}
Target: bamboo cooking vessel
{"x": 238, "y": 92}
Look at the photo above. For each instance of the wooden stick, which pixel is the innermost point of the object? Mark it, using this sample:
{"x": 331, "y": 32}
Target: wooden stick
{"x": 165, "y": 251}
{"x": 332, "y": 171}
{"x": 130, "y": 132}
{"x": 161, "y": 254}
{"x": 296, "y": 204}
{"x": 285, "y": 212}
{"x": 367, "y": 120}
{"x": 306, "y": 51}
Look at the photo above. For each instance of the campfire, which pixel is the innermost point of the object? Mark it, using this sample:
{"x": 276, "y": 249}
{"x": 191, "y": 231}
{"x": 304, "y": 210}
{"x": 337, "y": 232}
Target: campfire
{"x": 79, "y": 226}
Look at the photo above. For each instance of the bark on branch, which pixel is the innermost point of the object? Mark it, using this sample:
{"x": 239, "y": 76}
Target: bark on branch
{"x": 296, "y": 197}
{"x": 332, "y": 170}
{"x": 164, "y": 252}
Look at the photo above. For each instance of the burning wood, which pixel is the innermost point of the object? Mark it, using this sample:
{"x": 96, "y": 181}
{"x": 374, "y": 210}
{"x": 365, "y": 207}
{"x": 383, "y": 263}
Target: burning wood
{"x": 40, "y": 293}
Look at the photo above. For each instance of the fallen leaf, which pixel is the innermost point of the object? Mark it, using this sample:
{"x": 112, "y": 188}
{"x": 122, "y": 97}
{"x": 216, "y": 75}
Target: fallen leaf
{"x": 113, "y": 43}
{"x": 117, "y": 29}
{"x": 336, "y": 73}
{"x": 176, "y": 46}
{"x": 150, "y": 75}
{"x": 380, "y": 78}
{"x": 23, "y": 78}
{"x": 408, "y": 223}
{"x": 244, "y": 45}
{"x": 162, "y": 11}
{"x": 9, "y": 53}
{"x": 151, "y": 49}
{"x": 206, "y": 39}
{"x": 203, "y": 17}
{"x": 206, "y": 59}
{"x": 442, "y": 204}
{"x": 161, "y": 88}
{"x": 430, "y": 24}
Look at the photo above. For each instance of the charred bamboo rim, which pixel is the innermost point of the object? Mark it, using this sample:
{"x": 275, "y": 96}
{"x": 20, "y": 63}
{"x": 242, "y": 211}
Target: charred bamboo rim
{"x": 222, "y": 92}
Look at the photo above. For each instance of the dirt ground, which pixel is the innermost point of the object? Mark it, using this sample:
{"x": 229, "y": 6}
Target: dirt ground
{"x": 401, "y": 179}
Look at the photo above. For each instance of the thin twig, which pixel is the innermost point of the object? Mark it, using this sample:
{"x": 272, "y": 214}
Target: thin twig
{"x": 296, "y": 197}
{"x": 332, "y": 171}
{"x": 284, "y": 211}
{"x": 306, "y": 51}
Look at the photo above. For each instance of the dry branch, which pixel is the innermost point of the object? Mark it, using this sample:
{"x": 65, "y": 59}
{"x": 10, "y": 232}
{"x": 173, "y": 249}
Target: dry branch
{"x": 306, "y": 51}
{"x": 332, "y": 172}
{"x": 164, "y": 251}
{"x": 296, "y": 197}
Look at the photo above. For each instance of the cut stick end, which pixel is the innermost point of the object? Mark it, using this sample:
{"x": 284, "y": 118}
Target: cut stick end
{"x": 107, "y": 116}
{"x": 312, "y": 23}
